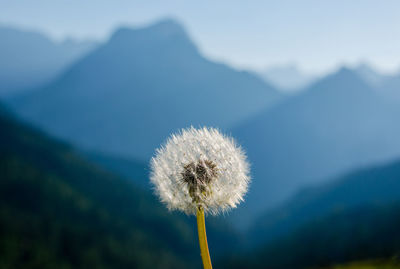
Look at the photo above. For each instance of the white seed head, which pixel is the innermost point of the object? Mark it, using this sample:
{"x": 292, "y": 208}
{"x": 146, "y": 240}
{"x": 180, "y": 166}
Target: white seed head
{"x": 200, "y": 168}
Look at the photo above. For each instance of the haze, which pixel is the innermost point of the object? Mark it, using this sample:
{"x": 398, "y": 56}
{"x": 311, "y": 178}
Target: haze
{"x": 317, "y": 35}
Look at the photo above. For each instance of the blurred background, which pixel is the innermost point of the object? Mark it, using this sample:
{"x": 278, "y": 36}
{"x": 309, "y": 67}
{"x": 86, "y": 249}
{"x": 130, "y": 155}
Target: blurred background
{"x": 89, "y": 89}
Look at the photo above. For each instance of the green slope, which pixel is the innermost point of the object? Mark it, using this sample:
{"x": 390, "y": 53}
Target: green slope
{"x": 367, "y": 233}
{"x": 378, "y": 264}
{"x": 374, "y": 185}
{"x": 135, "y": 170}
{"x": 58, "y": 210}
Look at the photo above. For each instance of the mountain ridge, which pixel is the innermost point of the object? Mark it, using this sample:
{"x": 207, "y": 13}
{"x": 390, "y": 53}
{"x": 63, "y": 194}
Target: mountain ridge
{"x": 31, "y": 59}
{"x": 369, "y": 186}
{"x": 338, "y": 124}
{"x": 159, "y": 75}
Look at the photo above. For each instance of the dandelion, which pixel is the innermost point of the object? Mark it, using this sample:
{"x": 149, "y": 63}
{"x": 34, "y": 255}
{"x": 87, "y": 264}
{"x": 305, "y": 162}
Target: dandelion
{"x": 200, "y": 171}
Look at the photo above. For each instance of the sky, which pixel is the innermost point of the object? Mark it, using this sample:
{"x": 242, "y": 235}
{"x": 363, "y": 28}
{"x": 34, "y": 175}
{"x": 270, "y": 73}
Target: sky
{"x": 316, "y": 35}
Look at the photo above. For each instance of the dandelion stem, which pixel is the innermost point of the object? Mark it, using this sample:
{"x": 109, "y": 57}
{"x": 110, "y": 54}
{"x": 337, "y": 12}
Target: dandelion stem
{"x": 201, "y": 228}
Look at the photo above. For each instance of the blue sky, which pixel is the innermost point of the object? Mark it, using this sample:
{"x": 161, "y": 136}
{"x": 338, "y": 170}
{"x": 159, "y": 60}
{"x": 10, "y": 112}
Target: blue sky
{"x": 318, "y": 35}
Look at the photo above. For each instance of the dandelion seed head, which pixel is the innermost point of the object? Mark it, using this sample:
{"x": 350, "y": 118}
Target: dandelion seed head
{"x": 200, "y": 168}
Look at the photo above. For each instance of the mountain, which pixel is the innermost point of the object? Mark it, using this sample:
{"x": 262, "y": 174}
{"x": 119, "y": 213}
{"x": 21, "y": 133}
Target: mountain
{"x": 367, "y": 233}
{"x": 129, "y": 94}
{"x": 354, "y": 217}
{"x": 4, "y": 111}
{"x": 373, "y": 77}
{"x": 30, "y": 59}
{"x": 134, "y": 170}
{"x": 373, "y": 186}
{"x": 336, "y": 125}
{"x": 390, "y": 88}
{"x": 287, "y": 78}
{"x": 387, "y": 85}
{"x": 58, "y": 210}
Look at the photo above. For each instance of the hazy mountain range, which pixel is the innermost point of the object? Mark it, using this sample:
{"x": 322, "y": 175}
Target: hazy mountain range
{"x": 387, "y": 85}
{"x": 291, "y": 79}
{"x": 129, "y": 94}
{"x": 57, "y": 208}
{"x": 372, "y": 76}
{"x": 339, "y": 123}
{"x": 30, "y": 59}
{"x": 288, "y": 78}
{"x": 71, "y": 207}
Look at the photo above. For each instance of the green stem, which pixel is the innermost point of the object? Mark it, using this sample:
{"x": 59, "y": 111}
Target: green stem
{"x": 201, "y": 228}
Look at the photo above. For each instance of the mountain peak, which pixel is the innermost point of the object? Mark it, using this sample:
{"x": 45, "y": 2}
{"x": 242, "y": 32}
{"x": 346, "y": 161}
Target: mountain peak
{"x": 169, "y": 26}
{"x": 342, "y": 84}
{"x": 135, "y": 71}
{"x": 369, "y": 74}
{"x": 30, "y": 59}
{"x": 345, "y": 77}
{"x": 161, "y": 30}
{"x": 165, "y": 34}
{"x": 345, "y": 72}
{"x": 365, "y": 66}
